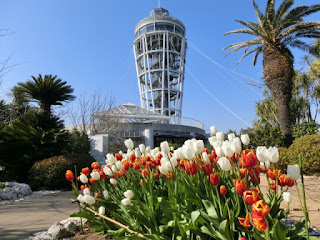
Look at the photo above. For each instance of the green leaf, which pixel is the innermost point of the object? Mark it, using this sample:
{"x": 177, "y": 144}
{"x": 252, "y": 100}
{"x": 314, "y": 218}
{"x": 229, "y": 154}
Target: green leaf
{"x": 224, "y": 228}
{"x": 296, "y": 229}
{"x": 279, "y": 231}
{"x": 84, "y": 214}
{"x": 210, "y": 209}
{"x": 194, "y": 216}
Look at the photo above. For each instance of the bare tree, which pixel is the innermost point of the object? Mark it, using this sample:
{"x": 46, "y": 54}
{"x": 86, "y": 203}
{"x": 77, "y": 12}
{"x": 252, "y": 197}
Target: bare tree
{"x": 89, "y": 114}
{"x": 4, "y": 64}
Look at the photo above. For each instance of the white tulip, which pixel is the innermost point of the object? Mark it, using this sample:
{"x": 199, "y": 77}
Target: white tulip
{"x": 245, "y": 139}
{"x": 89, "y": 199}
{"x": 213, "y": 130}
{"x": 86, "y": 191}
{"x": 220, "y": 136}
{"x": 163, "y": 170}
{"x": 105, "y": 193}
{"x": 110, "y": 159}
{"x": 164, "y": 159}
{"x": 224, "y": 164}
{"x": 231, "y": 136}
{"x": 174, "y": 161}
{"x": 227, "y": 149}
{"x": 102, "y": 210}
{"x": 107, "y": 171}
{"x": 128, "y": 194}
{"x": 142, "y": 148}
{"x": 219, "y": 151}
{"x": 114, "y": 169}
{"x": 188, "y": 152}
{"x": 95, "y": 175}
{"x": 137, "y": 153}
{"x": 168, "y": 165}
{"x": 129, "y": 143}
{"x": 171, "y": 148}
{"x": 113, "y": 181}
{"x": 126, "y": 201}
{"x": 287, "y": 197}
{"x": 293, "y": 172}
{"x": 217, "y": 144}
{"x": 236, "y": 145}
{"x": 273, "y": 154}
{"x": 119, "y": 165}
{"x": 265, "y": 165}
{"x": 148, "y": 149}
{"x": 212, "y": 140}
{"x": 83, "y": 178}
{"x": 205, "y": 157}
{"x": 165, "y": 147}
{"x": 198, "y": 146}
{"x": 262, "y": 154}
{"x": 80, "y": 198}
{"x": 156, "y": 150}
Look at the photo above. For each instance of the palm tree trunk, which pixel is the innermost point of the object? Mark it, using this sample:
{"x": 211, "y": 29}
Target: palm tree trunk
{"x": 45, "y": 108}
{"x": 278, "y": 74}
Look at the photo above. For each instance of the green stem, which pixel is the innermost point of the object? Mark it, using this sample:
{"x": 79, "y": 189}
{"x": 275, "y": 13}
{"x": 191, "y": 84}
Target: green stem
{"x": 304, "y": 199}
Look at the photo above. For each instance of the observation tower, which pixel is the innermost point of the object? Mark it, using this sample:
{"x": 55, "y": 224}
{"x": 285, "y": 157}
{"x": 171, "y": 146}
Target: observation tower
{"x": 160, "y": 50}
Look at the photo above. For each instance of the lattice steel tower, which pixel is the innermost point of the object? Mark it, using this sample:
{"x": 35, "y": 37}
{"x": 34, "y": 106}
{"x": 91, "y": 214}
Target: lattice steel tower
{"x": 160, "y": 50}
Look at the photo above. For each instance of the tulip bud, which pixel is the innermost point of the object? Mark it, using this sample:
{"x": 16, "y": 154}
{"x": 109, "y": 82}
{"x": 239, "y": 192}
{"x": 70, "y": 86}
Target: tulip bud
{"x": 215, "y": 178}
{"x": 86, "y": 191}
{"x": 107, "y": 171}
{"x": 165, "y": 147}
{"x": 223, "y": 190}
{"x": 198, "y": 146}
{"x": 95, "y": 176}
{"x": 245, "y": 139}
{"x": 287, "y": 197}
{"x": 236, "y": 145}
{"x": 220, "y": 136}
{"x": 105, "y": 194}
{"x": 89, "y": 199}
{"x": 293, "y": 172}
{"x": 102, "y": 210}
{"x": 262, "y": 154}
{"x": 273, "y": 154}
{"x": 80, "y": 198}
{"x": 224, "y": 164}
{"x": 174, "y": 162}
{"x": 129, "y": 143}
{"x": 114, "y": 169}
{"x": 69, "y": 175}
{"x": 113, "y": 181}
{"x": 219, "y": 152}
{"x": 205, "y": 157}
{"x": 83, "y": 178}
{"x": 126, "y": 201}
{"x": 227, "y": 149}
{"x": 119, "y": 165}
{"x": 231, "y": 136}
{"x": 128, "y": 194}
{"x": 142, "y": 148}
{"x": 213, "y": 130}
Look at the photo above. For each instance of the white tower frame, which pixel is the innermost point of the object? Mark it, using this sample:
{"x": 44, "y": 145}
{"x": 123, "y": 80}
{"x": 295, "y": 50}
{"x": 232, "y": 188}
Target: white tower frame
{"x": 159, "y": 50}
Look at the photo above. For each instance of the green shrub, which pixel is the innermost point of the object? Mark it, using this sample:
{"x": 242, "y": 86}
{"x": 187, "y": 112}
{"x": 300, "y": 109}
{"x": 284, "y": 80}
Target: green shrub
{"x": 304, "y": 128}
{"x": 50, "y": 173}
{"x": 309, "y": 148}
{"x": 79, "y": 142}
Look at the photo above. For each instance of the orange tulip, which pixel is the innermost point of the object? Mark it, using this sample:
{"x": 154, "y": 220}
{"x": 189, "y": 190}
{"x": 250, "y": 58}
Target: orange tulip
{"x": 136, "y": 165}
{"x": 251, "y": 196}
{"x": 243, "y": 172}
{"x": 215, "y": 178}
{"x": 190, "y": 168}
{"x": 245, "y": 222}
{"x": 118, "y": 156}
{"x": 69, "y": 175}
{"x": 95, "y": 165}
{"x": 223, "y": 190}
{"x": 240, "y": 186}
{"x": 85, "y": 171}
{"x": 259, "y": 222}
{"x": 282, "y": 180}
{"x": 156, "y": 175}
{"x": 169, "y": 176}
{"x": 260, "y": 208}
{"x": 249, "y": 159}
{"x": 207, "y": 168}
{"x": 272, "y": 173}
{"x": 273, "y": 186}
{"x": 92, "y": 181}
{"x": 290, "y": 182}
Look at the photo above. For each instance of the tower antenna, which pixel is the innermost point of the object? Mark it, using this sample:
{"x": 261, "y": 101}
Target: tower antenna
{"x": 158, "y": 3}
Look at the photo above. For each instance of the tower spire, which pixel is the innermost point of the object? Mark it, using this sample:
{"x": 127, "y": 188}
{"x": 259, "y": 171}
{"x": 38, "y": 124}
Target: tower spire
{"x": 158, "y": 3}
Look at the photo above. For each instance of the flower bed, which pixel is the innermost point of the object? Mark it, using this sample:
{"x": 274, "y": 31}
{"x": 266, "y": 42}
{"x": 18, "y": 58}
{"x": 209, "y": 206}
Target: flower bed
{"x": 188, "y": 193}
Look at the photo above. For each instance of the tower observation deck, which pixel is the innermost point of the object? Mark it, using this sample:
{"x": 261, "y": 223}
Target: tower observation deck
{"x": 160, "y": 50}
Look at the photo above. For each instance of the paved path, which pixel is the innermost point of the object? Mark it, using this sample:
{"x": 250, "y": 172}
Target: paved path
{"x": 19, "y": 220}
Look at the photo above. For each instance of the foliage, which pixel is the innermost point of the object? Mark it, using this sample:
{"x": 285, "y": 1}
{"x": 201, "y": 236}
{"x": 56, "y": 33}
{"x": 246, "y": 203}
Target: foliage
{"x": 33, "y": 137}
{"x": 2, "y": 185}
{"x": 309, "y": 148}
{"x": 47, "y": 173}
{"x": 47, "y": 91}
{"x": 79, "y": 143}
{"x": 305, "y": 128}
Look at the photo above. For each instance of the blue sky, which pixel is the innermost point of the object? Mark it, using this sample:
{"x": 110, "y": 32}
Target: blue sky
{"x": 89, "y": 45}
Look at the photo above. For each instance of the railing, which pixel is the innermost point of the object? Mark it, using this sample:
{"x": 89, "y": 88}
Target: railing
{"x": 189, "y": 122}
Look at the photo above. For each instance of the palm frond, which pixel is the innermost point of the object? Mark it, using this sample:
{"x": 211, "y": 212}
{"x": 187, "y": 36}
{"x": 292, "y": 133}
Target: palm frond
{"x": 240, "y": 45}
{"x": 254, "y": 27}
{"x": 255, "y": 57}
{"x": 282, "y": 11}
{"x": 245, "y": 55}
{"x": 270, "y": 11}
{"x": 302, "y": 26}
{"x": 244, "y": 30}
{"x": 259, "y": 14}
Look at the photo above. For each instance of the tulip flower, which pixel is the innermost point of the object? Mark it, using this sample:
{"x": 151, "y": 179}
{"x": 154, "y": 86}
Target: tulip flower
{"x": 260, "y": 208}
{"x": 190, "y": 168}
{"x": 227, "y": 149}
{"x": 105, "y": 193}
{"x": 205, "y": 157}
{"x": 215, "y": 178}
{"x": 198, "y": 146}
{"x": 224, "y": 164}
{"x": 282, "y": 180}
{"x": 119, "y": 165}
{"x": 240, "y": 186}
{"x": 142, "y": 148}
{"x": 80, "y": 198}
{"x": 219, "y": 152}
{"x": 128, "y": 143}
{"x": 273, "y": 154}
{"x": 83, "y": 178}
{"x": 113, "y": 181}
{"x": 95, "y": 176}
{"x": 126, "y": 201}
{"x": 290, "y": 182}
{"x": 165, "y": 147}
{"x": 188, "y": 152}
{"x": 236, "y": 145}
{"x": 223, "y": 190}
{"x": 220, "y": 136}
{"x": 293, "y": 172}
{"x": 262, "y": 154}
{"x": 245, "y": 139}
{"x": 69, "y": 175}
{"x": 95, "y": 165}
{"x": 89, "y": 199}
{"x": 213, "y": 130}
{"x": 107, "y": 171}
{"x": 265, "y": 166}
{"x": 249, "y": 159}
{"x": 85, "y": 171}
{"x": 207, "y": 168}
{"x": 272, "y": 173}
{"x": 86, "y": 191}
{"x": 251, "y": 196}
{"x": 102, "y": 210}
{"x": 231, "y": 136}
{"x": 137, "y": 153}
{"x": 243, "y": 172}
{"x": 163, "y": 170}
{"x": 110, "y": 159}
{"x": 128, "y": 194}
{"x": 259, "y": 222}
{"x": 287, "y": 197}
{"x": 245, "y": 222}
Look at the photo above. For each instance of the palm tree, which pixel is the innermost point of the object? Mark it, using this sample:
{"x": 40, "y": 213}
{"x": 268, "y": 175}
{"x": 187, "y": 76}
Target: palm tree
{"x": 275, "y": 32}
{"x": 47, "y": 91}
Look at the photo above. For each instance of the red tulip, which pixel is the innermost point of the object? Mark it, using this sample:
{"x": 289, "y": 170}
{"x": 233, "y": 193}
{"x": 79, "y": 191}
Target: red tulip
{"x": 251, "y": 196}
{"x": 69, "y": 175}
{"x": 240, "y": 186}
{"x": 215, "y": 178}
{"x": 260, "y": 208}
{"x": 223, "y": 190}
{"x": 245, "y": 222}
{"x": 259, "y": 222}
